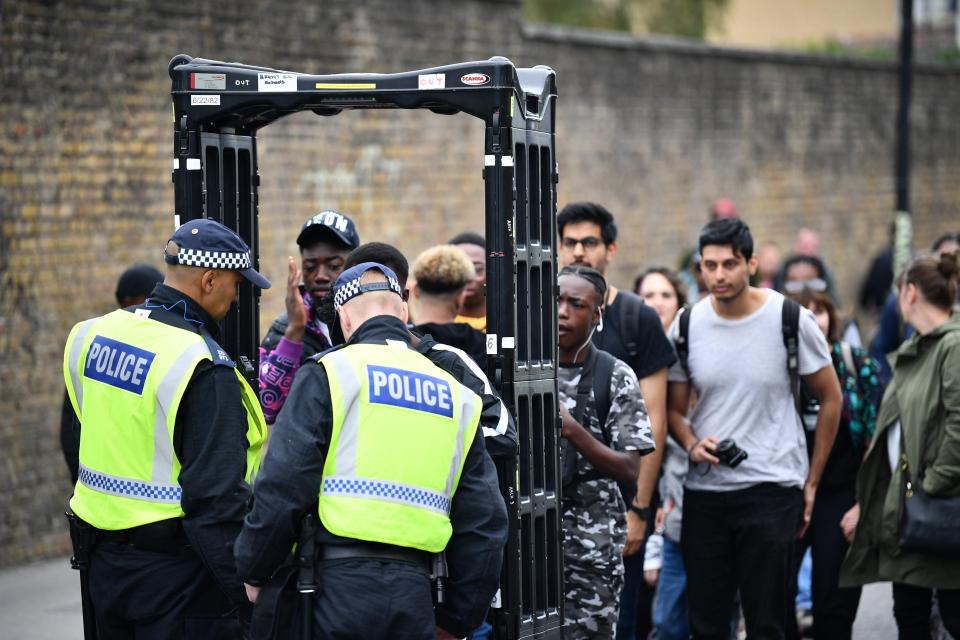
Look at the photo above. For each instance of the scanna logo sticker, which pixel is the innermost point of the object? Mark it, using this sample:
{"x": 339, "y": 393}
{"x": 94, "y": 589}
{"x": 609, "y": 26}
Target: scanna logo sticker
{"x": 475, "y": 79}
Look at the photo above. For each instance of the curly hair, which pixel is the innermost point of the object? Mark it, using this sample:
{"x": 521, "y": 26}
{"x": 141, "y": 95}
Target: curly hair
{"x": 442, "y": 270}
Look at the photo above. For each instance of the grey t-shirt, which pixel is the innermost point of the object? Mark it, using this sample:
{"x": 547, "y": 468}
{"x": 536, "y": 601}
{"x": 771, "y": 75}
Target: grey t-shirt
{"x": 739, "y": 371}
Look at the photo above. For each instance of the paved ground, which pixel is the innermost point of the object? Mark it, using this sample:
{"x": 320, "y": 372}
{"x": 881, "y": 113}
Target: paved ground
{"x": 41, "y": 601}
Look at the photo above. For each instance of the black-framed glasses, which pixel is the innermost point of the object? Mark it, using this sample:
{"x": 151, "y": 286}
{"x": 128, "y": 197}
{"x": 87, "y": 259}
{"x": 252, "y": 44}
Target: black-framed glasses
{"x": 590, "y": 242}
{"x": 817, "y": 285}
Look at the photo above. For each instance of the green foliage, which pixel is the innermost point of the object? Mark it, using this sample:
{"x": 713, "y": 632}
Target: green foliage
{"x": 951, "y": 56}
{"x": 596, "y": 14}
{"x": 688, "y": 18}
{"x": 838, "y": 49}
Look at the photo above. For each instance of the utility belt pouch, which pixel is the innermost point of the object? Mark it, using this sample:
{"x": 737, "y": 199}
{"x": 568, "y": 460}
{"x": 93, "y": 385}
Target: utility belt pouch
{"x": 82, "y": 537}
{"x": 439, "y": 575}
{"x": 307, "y": 556}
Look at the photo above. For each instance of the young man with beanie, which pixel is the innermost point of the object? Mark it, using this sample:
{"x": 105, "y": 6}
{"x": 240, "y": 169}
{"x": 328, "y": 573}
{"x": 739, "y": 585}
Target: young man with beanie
{"x": 743, "y": 513}
{"x": 324, "y": 240}
{"x": 170, "y": 440}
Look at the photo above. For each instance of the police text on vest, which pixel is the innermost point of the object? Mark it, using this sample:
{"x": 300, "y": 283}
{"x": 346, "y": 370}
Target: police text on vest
{"x": 118, "y": 364}
{"x": 403, "y": 388}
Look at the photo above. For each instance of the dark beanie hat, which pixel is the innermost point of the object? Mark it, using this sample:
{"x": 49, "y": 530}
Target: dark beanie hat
{"x": 138, "y": 280}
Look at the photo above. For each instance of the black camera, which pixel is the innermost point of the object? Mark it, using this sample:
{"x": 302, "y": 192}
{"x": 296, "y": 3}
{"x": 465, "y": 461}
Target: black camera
{"x": 729, "y": 453}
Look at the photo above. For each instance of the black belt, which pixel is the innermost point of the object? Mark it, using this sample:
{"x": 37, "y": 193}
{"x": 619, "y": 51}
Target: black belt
{"x": 377, "y": 552}
{"x": 166, "y": 536}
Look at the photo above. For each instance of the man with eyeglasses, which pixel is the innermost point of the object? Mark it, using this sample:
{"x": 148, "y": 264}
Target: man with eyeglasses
{"x": 631, "y": 331}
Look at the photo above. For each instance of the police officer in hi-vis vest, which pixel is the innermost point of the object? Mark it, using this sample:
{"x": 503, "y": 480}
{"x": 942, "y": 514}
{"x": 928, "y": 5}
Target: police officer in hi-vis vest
{"x": 384, "y": 446}
{"x": 170, "y": 440}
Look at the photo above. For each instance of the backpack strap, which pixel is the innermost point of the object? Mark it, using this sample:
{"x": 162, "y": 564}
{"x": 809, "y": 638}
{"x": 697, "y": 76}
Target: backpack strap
{"x": 847, "y": 352}
{"x": 601, "y": 375}
{"x": 682, "y": 342}
{"x": 629, "y": 321}
{"x": 791, "y": 340}
{"x": 585, "y": 386}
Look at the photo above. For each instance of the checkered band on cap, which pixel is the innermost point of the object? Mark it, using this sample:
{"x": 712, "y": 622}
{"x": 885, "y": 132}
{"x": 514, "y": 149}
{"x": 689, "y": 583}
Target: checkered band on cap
{"x": 214, "y": 259}
{"x": 352, "y": 288}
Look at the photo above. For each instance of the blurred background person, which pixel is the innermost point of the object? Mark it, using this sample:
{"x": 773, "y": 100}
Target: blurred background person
{"x": 768, "y": 264}
{"x": 664, "y": 291}
{"x": 133, "y": 287}
{"x": 810, "y": 273}
{"x": 723, "y": 208}
{"x": 876, "y": 284}
{"x": 834, "y": 609}
{"x": 917, "y": 442}
{"x": 442, "y": 274}
{"x": 893, "y": 329}
{"x": 474, "y": 311}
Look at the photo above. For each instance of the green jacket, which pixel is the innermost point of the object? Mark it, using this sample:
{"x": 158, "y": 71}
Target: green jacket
{"x": 925, "y": 396}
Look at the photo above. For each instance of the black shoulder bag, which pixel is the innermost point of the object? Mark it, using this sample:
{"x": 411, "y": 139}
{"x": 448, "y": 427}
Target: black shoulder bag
{"x": 931, "y": 524}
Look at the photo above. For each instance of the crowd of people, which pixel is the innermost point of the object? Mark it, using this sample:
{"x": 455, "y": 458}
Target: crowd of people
{"x": 719, "y": 421}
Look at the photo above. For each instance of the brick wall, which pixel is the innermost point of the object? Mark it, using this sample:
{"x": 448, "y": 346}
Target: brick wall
{"x": 655, "y": 131}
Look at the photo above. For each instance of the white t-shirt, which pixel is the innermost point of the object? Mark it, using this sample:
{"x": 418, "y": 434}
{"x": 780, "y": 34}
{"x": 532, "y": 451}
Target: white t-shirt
{"x": 739, "y": 371}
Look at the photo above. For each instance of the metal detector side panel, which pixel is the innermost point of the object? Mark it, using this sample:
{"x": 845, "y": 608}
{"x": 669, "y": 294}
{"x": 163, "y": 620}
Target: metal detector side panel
{"x": 216, "y": 178}
{"x": 521, "y": 182}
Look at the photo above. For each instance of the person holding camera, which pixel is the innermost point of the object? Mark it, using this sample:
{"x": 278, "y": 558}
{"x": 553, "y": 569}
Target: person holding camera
{"x": 750, "y": 490}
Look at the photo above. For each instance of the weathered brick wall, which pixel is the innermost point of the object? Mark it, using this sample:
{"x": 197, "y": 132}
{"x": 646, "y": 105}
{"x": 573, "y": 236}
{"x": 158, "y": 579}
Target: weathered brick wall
{"x": 654, "y": 131}
{"x": 85, "y": 148}
{"x": 658, "y": 130}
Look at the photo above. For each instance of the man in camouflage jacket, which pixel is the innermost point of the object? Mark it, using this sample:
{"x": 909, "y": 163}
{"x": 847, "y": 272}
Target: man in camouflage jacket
{"x": 600, "y": 456}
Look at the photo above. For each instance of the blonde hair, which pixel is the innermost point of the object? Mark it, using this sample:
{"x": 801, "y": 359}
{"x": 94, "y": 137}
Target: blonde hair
{"x": 443, "y": 269}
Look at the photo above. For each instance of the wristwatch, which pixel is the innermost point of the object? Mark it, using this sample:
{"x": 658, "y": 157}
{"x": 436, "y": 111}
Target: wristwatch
{"x": 643, "y": 512}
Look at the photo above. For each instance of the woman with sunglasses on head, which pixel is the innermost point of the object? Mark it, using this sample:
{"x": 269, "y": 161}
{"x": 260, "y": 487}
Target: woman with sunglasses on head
{"x": 810, "y": 273}
{"x": 915, "y": 460}
{"x": 834, "y": 609}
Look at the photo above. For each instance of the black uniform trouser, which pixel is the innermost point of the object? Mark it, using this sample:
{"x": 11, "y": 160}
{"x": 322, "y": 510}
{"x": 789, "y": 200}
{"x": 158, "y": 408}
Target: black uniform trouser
{"x": 370, "y": 599}
{"x": 151, "y": 595}
{"x": 740, "y": 540}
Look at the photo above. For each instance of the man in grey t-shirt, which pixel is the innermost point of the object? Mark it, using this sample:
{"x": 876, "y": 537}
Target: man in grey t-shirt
{"x": 739, "y": 524}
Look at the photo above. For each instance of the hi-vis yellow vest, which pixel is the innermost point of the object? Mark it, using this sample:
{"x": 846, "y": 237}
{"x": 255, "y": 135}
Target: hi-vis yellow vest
{"x": 126, "y": 376}
{"x": 402, "y": 428}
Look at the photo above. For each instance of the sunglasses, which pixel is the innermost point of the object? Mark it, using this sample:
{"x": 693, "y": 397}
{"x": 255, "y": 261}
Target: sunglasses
{"x": 817, "y": 285}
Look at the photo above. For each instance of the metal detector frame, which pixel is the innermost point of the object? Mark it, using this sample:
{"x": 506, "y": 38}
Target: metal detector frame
{"x": 218, "y": 108}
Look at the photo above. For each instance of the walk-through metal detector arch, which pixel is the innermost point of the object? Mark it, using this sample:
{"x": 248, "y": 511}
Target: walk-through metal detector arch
{"x": 219, "y": 107}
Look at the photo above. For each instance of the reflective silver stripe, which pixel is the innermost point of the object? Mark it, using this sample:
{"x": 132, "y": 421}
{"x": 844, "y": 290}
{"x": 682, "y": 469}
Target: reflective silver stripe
{"x": 162, "y": 442}
{"x": 73, "y": 361}
{"x": 501, "y": 427}
{"x": 346, "y": 454}
{"x": 164, "y": 493}
{"x": 398, "y": 492}
{"x": 468, "y": 412}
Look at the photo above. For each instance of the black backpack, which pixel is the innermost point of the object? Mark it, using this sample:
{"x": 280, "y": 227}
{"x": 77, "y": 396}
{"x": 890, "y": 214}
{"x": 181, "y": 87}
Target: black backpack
{"x": 595, "y": 376}
{"x": 791, "y": 340}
